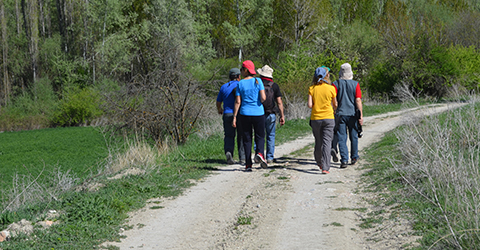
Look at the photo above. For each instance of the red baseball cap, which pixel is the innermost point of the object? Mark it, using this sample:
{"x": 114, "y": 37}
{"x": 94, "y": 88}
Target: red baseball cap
{"x": 250, "y": 66}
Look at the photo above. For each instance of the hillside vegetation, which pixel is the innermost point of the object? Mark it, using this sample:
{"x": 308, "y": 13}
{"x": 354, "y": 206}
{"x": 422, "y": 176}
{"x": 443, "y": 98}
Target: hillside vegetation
{"x": 154, "y": 65}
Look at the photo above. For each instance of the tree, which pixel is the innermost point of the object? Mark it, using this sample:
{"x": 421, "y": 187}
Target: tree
{"x": 6, "y": 81}
{"x": 240, "y": 25}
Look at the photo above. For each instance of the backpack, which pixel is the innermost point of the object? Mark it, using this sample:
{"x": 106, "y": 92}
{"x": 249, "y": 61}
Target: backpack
{"x": 269, "y": 103}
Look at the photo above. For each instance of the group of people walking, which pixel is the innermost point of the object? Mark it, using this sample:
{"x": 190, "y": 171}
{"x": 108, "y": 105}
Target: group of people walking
{"x": 251, "y": 105}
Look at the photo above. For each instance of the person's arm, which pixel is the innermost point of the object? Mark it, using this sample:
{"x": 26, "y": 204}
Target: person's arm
{"x": 238, "y": 101}
{"x": 219, "y": 108}
{"x": 280, "y": 107}
{"x": 358, "y": 102}
{"x": 263, "y": 96}
{"x": 334, "y": 104}
{"x": 310, "y": 102}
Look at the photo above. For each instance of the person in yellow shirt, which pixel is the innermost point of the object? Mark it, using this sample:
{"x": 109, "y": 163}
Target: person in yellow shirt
{"x": 322, "y": 101}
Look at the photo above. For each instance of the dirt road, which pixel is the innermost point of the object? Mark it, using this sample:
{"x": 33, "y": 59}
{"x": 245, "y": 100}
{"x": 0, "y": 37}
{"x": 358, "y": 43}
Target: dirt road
{"x": 290, "y": 205}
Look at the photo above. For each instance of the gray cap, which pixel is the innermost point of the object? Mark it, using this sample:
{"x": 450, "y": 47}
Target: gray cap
{"x": 234, "y": 72}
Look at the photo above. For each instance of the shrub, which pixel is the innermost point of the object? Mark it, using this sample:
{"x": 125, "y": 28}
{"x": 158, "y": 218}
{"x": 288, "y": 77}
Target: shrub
{"x": 79, "y": 106}
{"x": 31, "y": 109}
{"x": 295, "y": 68}
{"x": 467, "y": 62}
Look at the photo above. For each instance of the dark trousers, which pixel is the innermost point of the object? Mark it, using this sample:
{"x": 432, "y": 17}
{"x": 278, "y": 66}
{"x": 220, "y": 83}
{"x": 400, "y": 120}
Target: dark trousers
{"x": 257, "y": 123}
{"x": 229, "y": 137}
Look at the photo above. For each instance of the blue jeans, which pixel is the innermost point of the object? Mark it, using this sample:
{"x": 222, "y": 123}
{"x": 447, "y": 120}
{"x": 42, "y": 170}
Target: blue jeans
{"x": 347, "y": 123}
{"x": 229, "y": 137}
{"x": 270, "y": 121}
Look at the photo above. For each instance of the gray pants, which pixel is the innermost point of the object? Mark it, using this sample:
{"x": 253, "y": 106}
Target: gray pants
{"x": 323, "y": 133}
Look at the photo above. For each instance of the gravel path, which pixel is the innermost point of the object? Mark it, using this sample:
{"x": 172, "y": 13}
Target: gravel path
{"x": 290, "y": 205}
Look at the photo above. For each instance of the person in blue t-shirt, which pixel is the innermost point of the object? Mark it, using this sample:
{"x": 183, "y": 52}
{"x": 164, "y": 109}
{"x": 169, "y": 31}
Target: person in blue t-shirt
{"x": 226, "y": 95}
{"x": 249, "y": 110}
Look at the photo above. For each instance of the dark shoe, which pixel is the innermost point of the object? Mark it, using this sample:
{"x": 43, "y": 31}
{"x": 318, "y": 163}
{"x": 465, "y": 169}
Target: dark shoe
{"x": 259, "y": 158}
{"x": 354, "y": 161}
{"x": 334, "y": 156}
{"x": 320, "y": 167}
{"x": 248, "y": 168}
{"x": 343, "y": 165}
{"x": 241, "y": 162}
{"x": 229, "y": 158}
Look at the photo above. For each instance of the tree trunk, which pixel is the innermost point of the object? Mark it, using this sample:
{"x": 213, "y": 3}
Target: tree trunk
{"x": 41, "y": 5}
{"x": 61, "y": 22}
{"x": 34, "y": 35}
{"x": 18, "y": 17}
{"x": 6, "y": 83}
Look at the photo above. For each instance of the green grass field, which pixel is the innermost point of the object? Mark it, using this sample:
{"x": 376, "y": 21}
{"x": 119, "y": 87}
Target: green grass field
{"x": 78, "y": 149}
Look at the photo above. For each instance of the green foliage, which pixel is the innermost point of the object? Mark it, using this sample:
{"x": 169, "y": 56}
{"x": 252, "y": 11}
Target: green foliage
{"x": 77, "y": 43}
{"x": 39, "y": 99}
{"x": 240, "y": 25}
{"x": 78, "y": 106}
{"x": 382, "y": 78}
{"x": 32, "y": 109}
{"x": 295, "y": 68}
{"x": 466, "y": 60}
{"x": 363, "y": 10}
{"x": 216, "y": 71}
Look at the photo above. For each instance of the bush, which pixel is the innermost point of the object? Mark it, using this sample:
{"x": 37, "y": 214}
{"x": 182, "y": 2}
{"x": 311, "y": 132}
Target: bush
{"x": 382, "y": 78}
{"x": 31, "y": 109}
{"x": 467, "y": 61}
{"x": 295, "y": 68}
{"x": 79, "y": 106}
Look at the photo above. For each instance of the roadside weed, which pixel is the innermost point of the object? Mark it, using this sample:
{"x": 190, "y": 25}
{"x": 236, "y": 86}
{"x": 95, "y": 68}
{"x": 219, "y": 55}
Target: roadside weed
{"x": 244, "y": 220}
{"x": 431, "y": 173}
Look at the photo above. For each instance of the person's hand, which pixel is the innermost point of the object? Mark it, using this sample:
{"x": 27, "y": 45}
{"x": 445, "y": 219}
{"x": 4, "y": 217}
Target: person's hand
{"x": 234, "y": 122}
{"x": 282, "y": 120}
{"x": 360, "y": 121}
{"x": 220, "y": 111}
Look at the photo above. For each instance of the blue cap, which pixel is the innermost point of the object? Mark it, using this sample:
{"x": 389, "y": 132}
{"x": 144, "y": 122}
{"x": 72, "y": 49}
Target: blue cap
{"x": 320, "y": 73}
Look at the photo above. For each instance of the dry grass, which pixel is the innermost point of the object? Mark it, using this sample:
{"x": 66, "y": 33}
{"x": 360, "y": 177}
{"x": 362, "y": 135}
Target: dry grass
{"x": 211, "y": 122}
{"x": 138, "y": 155}
{"x": 296, "y": 108}
{"x": 442, "y": 163}
{"x": 28, "y": 190}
